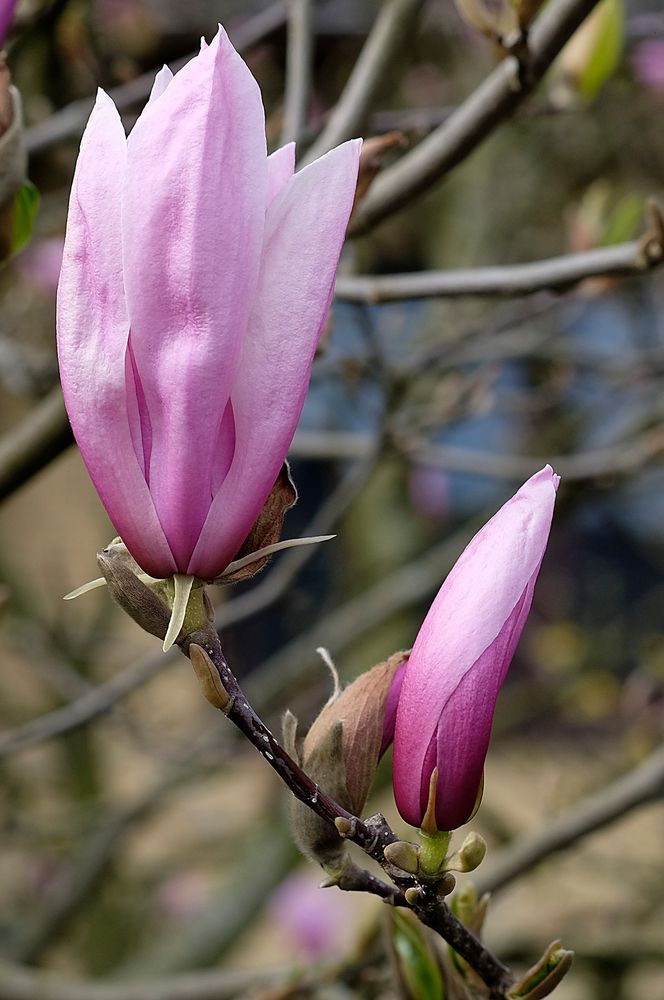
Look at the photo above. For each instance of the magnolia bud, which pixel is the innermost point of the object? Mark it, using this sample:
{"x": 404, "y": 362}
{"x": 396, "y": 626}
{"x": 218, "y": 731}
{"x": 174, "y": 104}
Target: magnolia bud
{"x": 469, "y": 856}
{"x": 404, "y": 856}
{"x": 543, "y": 977}
{"x": 340, "y": 753}
{"x": 471, "y": 909}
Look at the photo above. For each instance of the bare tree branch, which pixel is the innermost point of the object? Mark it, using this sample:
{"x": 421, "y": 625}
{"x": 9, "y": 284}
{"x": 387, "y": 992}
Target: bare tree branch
{"x": 556, "y": 273}
{"x": 619, "y": 459}
{"x": 217, "y": 984}
{"x": 70, "y": 121}
{"x": 299, "y": 57}
{"x": 486, "y": 108}
{"x": 392, "y": 26}
{"x": 642, "y": 785}
{"x": 37, "y": 440}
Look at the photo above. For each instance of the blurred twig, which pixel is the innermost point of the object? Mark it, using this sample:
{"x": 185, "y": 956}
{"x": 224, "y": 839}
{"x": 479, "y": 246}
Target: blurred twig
{"x": 391, "y": 28}
{"x": 618, "y": 459}
{"x": 70, "y": 121}
{"x": 299, "y": 57}
{"x": 218, "y": 984}
{"x": 90, "y": 706}
{"x": 27, "y": 449}
{"x": 487, "y": 107}
{"x": 101, "y": 699}
{"x": 642, "y": 785}
{"x": 93, "y": 858}
{"x": 268, "y": 855}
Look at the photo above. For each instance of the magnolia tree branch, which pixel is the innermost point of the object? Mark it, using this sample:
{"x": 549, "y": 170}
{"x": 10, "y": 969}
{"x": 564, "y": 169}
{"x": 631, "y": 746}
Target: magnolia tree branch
{"x": 34, "y": 443}
{"x": 486, "y": 108}
{"x": 619, "y": 459}
{"x": 393, "y": 24}
{"x": 217, "y": 984}
{"x": 372, "y": 837}
{"x": 556, "y": 273}
{"x": 299, "y": 58}
{"x": 642, "y": 785}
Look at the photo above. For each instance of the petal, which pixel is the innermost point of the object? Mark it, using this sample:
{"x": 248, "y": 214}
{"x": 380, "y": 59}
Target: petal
{"x": 193, "y": 219}
{"x": 470, "y": 615}
{"x": 161, "y": 82}
{"x": 305, "y": 229}
{"x": 465, "y": 724}
{"x": 280, "y": 168}
{"x": 92, "y": 340}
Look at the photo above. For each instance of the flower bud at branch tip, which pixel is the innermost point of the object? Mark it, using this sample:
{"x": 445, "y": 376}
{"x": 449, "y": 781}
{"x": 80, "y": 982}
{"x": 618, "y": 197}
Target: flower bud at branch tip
{"x": 404, "y": 856}
{"x": 469, "y": 856}
{"x": 545, "y": 975}
{"x": 460, "y": 659}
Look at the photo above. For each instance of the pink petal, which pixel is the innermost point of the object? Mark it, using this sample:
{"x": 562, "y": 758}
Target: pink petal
{"x": 161, "y": 82}
{"x": 465, "y": 645}
{"x": 93, "y": 331}
{"x": 464, "y": 729}
{"x": 280, "y": 168}
{"x": 305, "y": 229}
{"x": 193, "y": 219}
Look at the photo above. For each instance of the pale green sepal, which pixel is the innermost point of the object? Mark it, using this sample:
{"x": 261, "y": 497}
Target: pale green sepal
{"x": 84, "y": 588}
{"x": 268, "y": 550}
{"x": 101, "y": 582}
{"x": 182, "y": 586}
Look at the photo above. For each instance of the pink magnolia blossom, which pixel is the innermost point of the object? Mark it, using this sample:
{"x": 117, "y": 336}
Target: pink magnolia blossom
{"x": 196, "y": 280}
{"x": 461, "y": 655}
{"x": 7, "y": 8}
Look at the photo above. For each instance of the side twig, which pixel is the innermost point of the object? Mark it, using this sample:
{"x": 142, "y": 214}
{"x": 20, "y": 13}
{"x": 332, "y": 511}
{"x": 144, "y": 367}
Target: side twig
{"x": 393, "y": 25}
{"x": 70, "y": 121}
{"x": 556, "y": 273}
{"x": 486, "y": 108}
{"x": 642, "y": 785}
{"x": 40, "y": 438}
{"x": 372, "y": 836}
{"x": 299, "y": 57}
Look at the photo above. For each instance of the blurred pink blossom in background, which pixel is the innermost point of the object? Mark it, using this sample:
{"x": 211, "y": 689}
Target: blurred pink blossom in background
{"x": 40, "y": 263}
{"x": 648, "y": 63}
{"x": 318, "y": 922}
{"x": 7, "y": 8}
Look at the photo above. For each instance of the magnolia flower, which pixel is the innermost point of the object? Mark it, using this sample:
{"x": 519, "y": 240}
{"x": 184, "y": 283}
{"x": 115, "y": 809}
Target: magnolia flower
{"x": 460, "y": 658}
{"x": 196, "y": 280}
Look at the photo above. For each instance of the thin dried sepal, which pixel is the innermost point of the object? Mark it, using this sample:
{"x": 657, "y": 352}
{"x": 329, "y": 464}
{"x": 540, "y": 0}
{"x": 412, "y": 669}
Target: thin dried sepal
{"x": 361, "y": 709}
{"x": 139, "y": 601}
{"x": 266, "y": 530}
